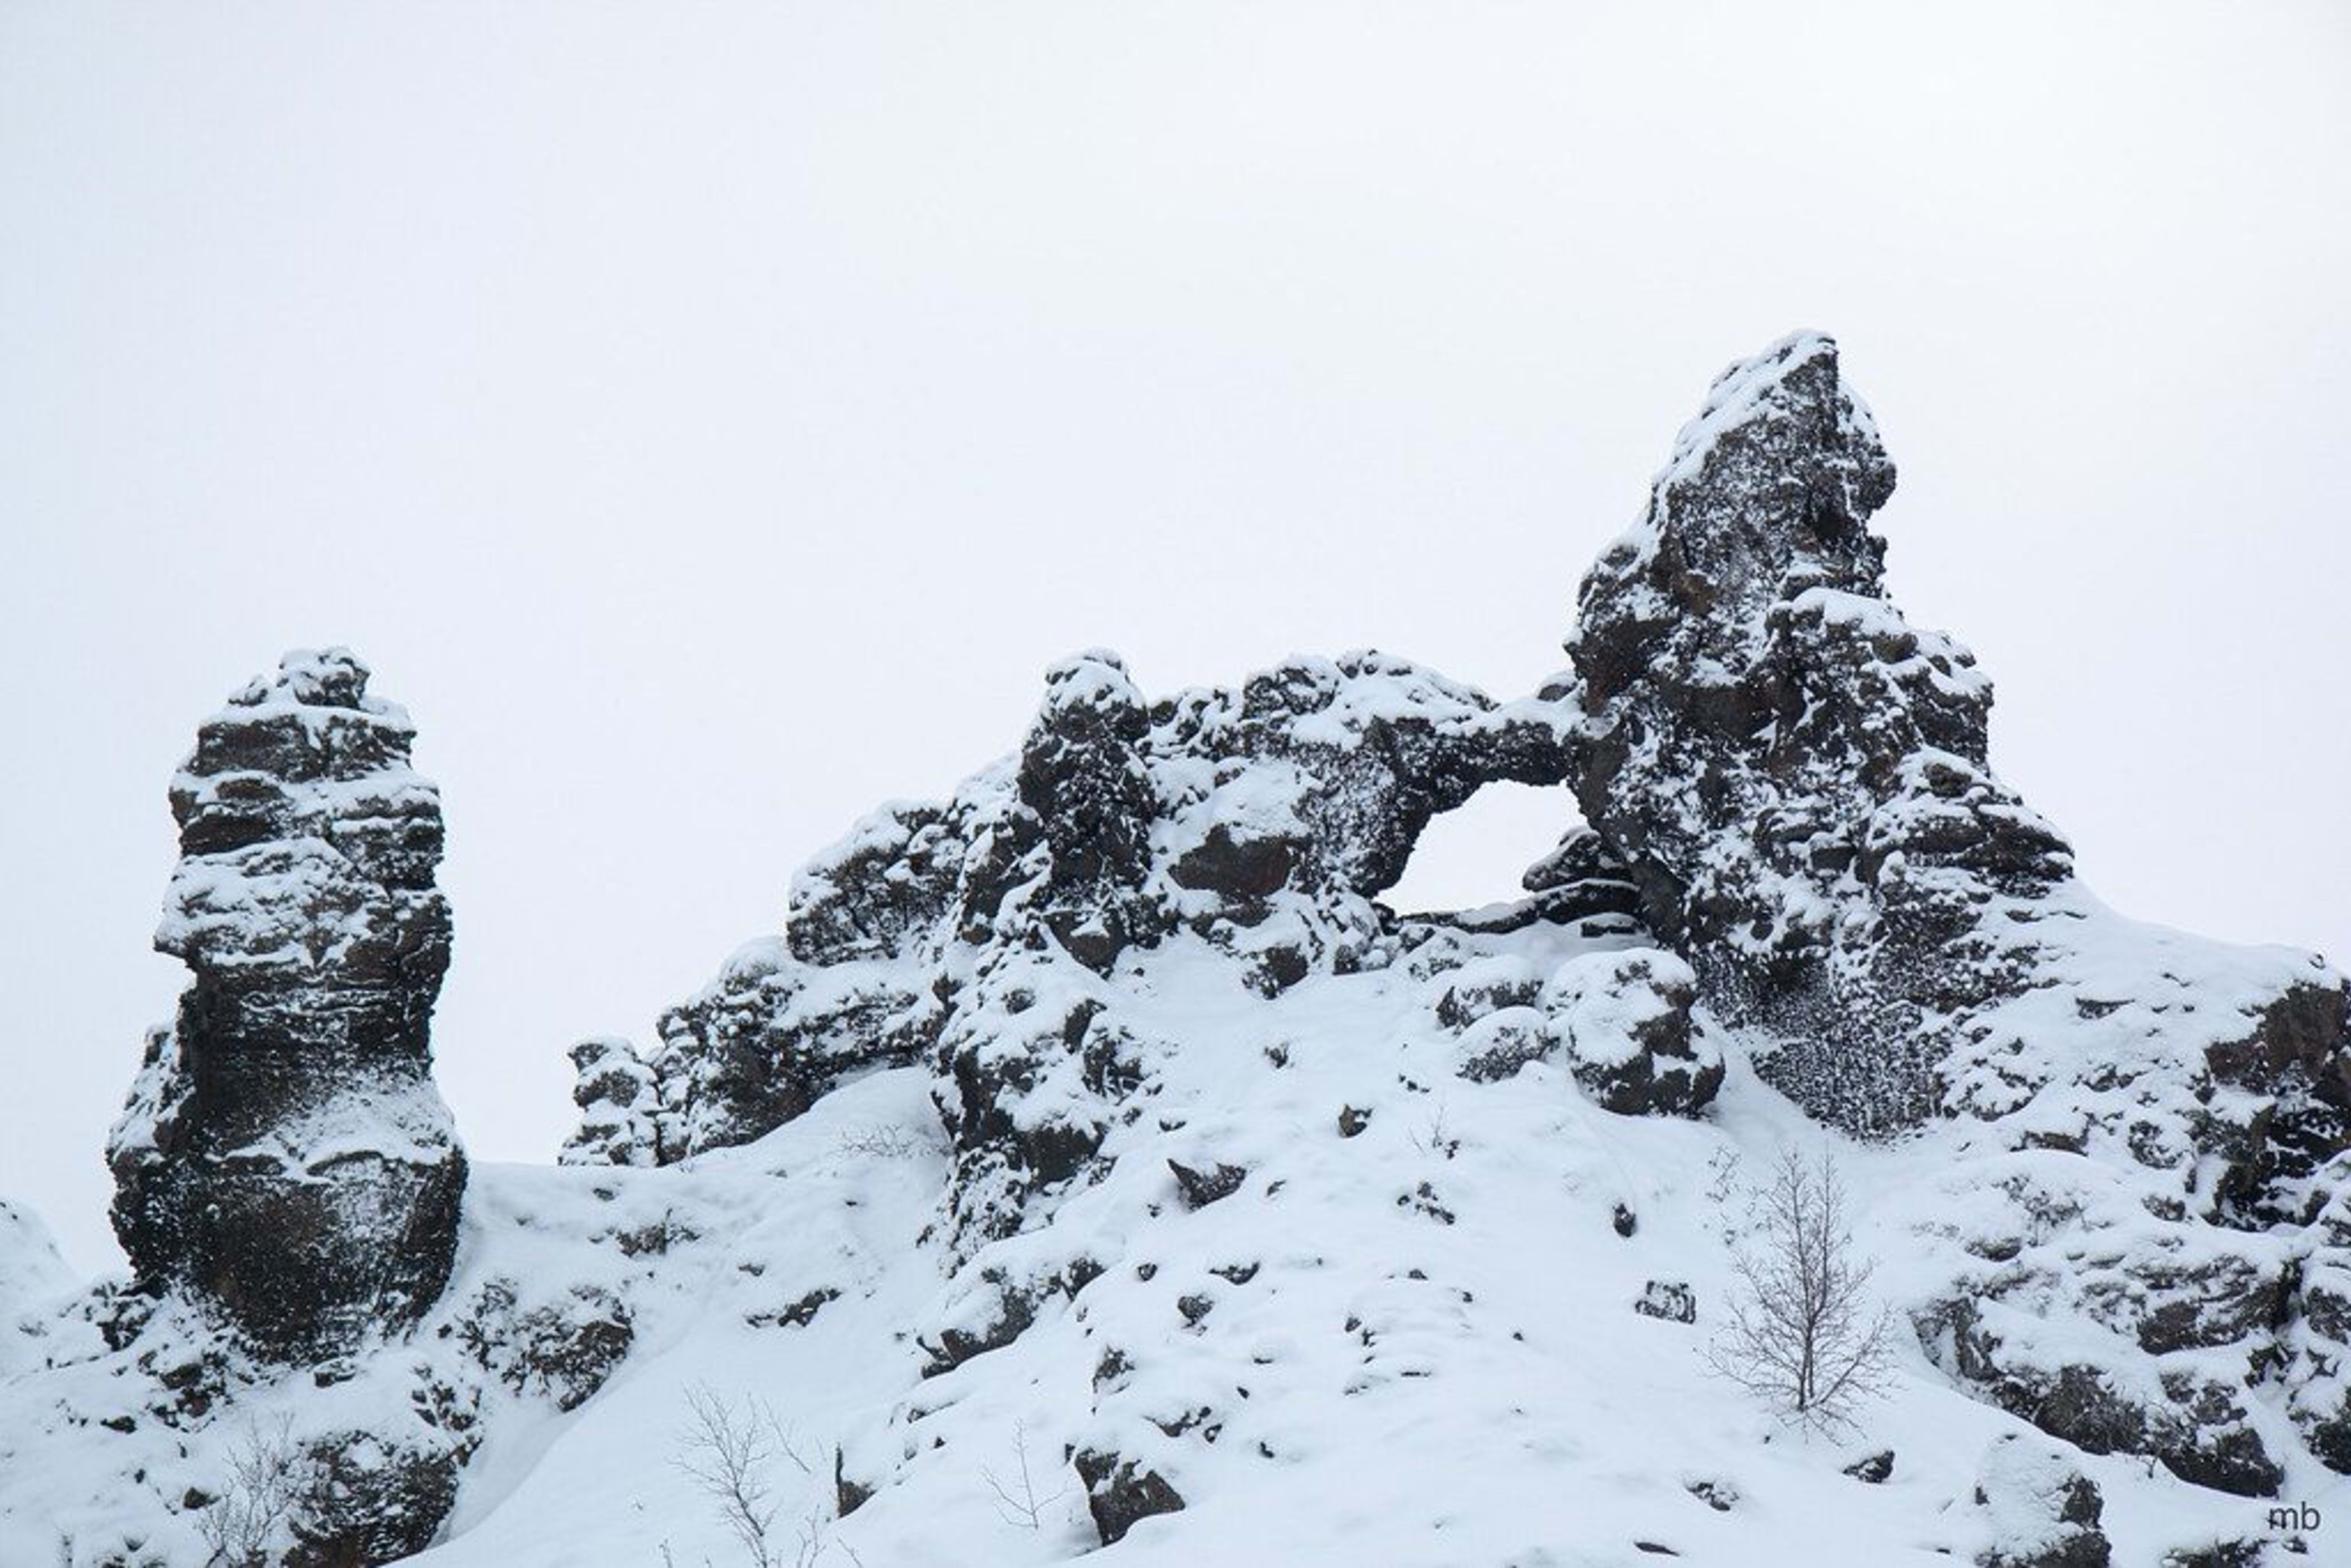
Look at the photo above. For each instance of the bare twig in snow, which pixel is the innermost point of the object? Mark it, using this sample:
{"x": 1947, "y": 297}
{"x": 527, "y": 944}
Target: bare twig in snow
{"x": 1017, "y": 1501}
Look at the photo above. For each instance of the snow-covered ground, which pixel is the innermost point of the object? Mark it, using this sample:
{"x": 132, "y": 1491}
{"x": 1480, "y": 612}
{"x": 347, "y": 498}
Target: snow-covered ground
{"x": 1411, "y": 1346}
{"x": 1435, "y": 1360}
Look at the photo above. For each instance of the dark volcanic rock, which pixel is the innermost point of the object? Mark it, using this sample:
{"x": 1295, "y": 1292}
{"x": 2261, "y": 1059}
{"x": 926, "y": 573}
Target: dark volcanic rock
{"x": 878, "y": 892}
{"x": 2293, "y": 1063}
{"x": 1632, "y": 1040}
{"x": 1872, "y": 1469}
{"x": 1669, "y": 1300}
{"x": 1121, "y": 1494}
{"x": 1582, "y": 882}
{"x": 1794, "y": 778}
{"x": 761, "y": 1043}
{"x": 285, "y": 1156}
{"x": 1263, "y": 818}
{"x": 618, "y": 1098}
{"x": 1203, "y": 1188}
{"x": 561, "y": 1346}
{"x": 1322, "y": 774}
{"x": 363, "y": 1501}
{"x": 1083, "y": 775}
{"x": 2195, "y": 1428}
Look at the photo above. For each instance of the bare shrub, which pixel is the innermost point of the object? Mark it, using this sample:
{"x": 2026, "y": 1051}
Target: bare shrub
{"x": 1017, "y": 1503}
{"x": 239, "y": 1526}
{"x": 1800, "y": 1331}
{"x": 732, "y": 1454}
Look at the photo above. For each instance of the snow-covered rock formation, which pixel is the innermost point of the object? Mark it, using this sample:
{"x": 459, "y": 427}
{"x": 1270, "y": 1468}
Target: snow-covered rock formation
{"x": 1094, "y": 1163}
{"x": 1795, "y": 777}
{"x": 1798, "y": 781}
{"x": 1263, "y": 821}
{"x": 285, "y": 1158}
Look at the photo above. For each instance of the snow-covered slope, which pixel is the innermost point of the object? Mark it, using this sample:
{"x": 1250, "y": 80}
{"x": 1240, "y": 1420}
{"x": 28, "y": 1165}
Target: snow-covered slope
{"x": 31, "y": 1273}
{"x": 1093, "y": 1164}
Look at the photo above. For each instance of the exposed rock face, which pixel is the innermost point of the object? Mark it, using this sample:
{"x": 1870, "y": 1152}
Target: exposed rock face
{"x": 1121, "y": 1494}
{"x": 759, "y": 1045}
{"x": 1795, "y": 777}
{"x": 1623, "y": 1020}
{"x": 1084, "y": 780}
{"x": 1795, "y": 783}
{"x": 1264, "y": 819}
{"x": 620, "y": 1107}
{"x": 285, "y": 1156}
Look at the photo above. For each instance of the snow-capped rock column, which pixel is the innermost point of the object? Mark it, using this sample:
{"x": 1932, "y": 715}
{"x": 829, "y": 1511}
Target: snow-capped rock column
{"x": 1795, "y": 777}
{"x": 285, "y": 1156}
{"x": 1082, "y": 772}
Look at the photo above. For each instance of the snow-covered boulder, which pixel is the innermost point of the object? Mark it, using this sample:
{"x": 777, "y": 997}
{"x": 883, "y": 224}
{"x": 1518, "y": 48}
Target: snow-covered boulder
{"x": 285, "y": 1158}
{"x": 2041, "y": 1510}
{"x": 1633, "y": 1039}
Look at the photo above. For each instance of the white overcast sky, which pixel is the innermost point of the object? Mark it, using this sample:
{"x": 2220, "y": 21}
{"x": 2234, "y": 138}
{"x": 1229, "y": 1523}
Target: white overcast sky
{"x": 710, "y": 420}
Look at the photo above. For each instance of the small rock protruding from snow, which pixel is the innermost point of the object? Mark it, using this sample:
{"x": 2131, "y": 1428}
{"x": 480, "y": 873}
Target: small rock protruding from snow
{"x": 1872, "y": 1469}
{"x": 1669, "y": 1300}
{"x": 1203, "y": 1188}
{"x": 1121, "y": 1493}
{"x": 2042, "y": 1512}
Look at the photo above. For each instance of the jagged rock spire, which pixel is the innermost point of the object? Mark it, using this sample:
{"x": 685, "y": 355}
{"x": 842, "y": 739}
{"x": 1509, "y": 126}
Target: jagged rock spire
{"x": 1795, "y": 777}
{"x": 285, "y": 1156}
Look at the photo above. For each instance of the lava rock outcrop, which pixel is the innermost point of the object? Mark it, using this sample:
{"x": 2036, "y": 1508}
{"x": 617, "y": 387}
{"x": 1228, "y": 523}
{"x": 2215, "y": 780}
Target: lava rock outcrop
{"x": 1266, "y": 819}
{"x": 1795, "y": 778}
{"x": 285, "y": 1158}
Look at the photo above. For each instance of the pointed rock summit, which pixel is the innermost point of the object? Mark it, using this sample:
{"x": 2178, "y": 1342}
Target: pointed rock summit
{"x": 285, "y": 1156}
{"x": 1795, "y": 776}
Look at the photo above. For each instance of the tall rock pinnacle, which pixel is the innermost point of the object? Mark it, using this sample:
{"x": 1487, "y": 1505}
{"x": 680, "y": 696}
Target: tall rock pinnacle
{"x": 1795, "y": 776}
{"x": 285, "y": 1156}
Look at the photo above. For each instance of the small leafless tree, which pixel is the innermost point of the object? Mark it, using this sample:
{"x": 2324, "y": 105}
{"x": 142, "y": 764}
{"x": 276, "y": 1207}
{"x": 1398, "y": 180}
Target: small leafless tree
{"x": 239, "y": 1526}
{"x": 1017, "y": 1501}
{"x": 1801, "y": 1333}
{"x": 731, "y": 1455}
